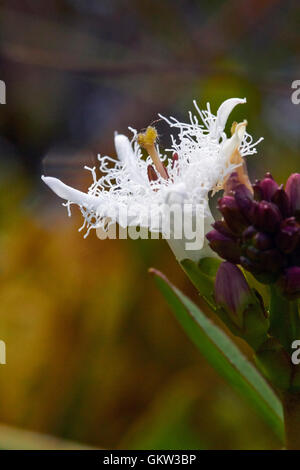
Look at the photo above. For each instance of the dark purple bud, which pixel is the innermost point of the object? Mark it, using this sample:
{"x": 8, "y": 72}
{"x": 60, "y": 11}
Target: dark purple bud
{"x": 266, "y": 216}
{"x": 262, "y": 241}
{"x": 280, "y": 198}
{"x": 232, "y": 291}
{"x": 249, "y": 233}
{"x": 292, "y": 189}
{"x": 289, "y": 283}
{"x": 258, "y": 270}
{"x": 266, "y": 188}
{"x": 222, "y": 227}
{"x": 257, "y": 191}
{"x": 294, "y": 257}
{"x": 289, "y": 235}
{"x": 252, "y": 253}
{"x": 224, "y": 245}
{"x": 249, "y": 265}
{"x": 244, "y": 199}
{"x": 271, "y": 261}
{"x": 232, "y": 214}
{"x": 231, "y": 184}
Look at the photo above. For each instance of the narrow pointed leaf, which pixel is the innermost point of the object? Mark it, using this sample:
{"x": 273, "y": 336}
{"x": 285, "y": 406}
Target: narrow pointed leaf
{"x": 224, "y": 355}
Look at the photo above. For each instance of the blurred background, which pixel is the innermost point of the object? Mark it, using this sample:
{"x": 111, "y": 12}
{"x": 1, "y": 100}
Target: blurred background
{"x": 93, "y": 353}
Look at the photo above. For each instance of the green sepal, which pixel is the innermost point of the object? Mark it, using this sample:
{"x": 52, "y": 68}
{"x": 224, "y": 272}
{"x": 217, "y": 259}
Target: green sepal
{"x": 275, "y": 364}
{"x": 202, "y": 275}
{"x": 284, "y": 319}
{"x": 255, "y": 323}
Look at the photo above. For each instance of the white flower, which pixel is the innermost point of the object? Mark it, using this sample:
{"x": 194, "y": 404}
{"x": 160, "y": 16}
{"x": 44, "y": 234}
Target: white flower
{"x": 199, "y": 161}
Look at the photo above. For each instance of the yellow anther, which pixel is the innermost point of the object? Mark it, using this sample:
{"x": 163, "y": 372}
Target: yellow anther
{"x": 148, "y": 138}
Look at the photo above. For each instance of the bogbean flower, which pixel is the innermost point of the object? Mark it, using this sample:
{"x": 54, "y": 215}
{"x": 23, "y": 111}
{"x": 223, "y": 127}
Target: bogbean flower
{"x": 260, "y": 230}
{"x": 200, "y": 160}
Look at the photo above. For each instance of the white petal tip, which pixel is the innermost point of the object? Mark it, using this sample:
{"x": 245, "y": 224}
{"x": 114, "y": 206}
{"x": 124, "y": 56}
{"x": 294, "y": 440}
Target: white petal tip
{"x": 121, "y": 137}
{"x": 57, "y": 186}
{"x": 224, "y": 110}
{"x": 50, "y": 180}
{"x": 123, "y": 147}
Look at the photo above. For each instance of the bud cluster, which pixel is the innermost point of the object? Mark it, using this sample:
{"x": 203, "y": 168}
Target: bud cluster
{"x": 260, "y": 230}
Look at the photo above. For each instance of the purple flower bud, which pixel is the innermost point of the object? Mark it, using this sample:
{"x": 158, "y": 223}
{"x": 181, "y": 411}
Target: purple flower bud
{"x": 232, "y": 214}
{"x": 289, "y": 283}
{"x": 244, "y": 199}
{"x": 259, "y": 270}
{"x": 252, "y": 253}
{"x": 257, "y": 191}
{"x": 266, "y": 188}
{"x": 231, "y": 183}
{"x": 280, "y": 198}
{"x": 251, "y": 266}
{"x": 260, "y": 232}
{"x": 288, "y": 236}
{"x": 222, "y": 227}
{"x": 249, "y": 233}
{"x": 294, "y": 257}
{"x": 265, "y": 216}
{"x": 224, "y": 245}
{"x": 262, "y": 241}
{"x": 292, "y": 189}
{"x": 272, "y": 261}
{"x": 232, "y": 291}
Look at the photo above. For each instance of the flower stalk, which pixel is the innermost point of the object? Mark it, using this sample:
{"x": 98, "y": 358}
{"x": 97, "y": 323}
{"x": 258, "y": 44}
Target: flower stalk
{"x": 291, "y": 410}
{"x": 284, "y": 318}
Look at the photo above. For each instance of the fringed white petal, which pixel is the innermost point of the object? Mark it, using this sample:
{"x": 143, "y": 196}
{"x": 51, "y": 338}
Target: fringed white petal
{"x": 223, "y": 113}
{"x": 123, "y": 148}
{"x": 70, "y": 194}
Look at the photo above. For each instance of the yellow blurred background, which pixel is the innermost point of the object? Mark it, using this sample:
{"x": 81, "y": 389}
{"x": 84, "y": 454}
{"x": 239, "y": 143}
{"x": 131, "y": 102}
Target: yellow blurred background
{"x": 93, "y": 353}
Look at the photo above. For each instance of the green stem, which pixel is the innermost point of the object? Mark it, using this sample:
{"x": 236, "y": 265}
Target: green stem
{"x": 291, "y": 408}
{"x": 284, "y": 319}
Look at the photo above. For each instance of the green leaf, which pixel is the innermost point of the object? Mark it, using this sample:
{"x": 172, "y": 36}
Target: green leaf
{"x": 223, "y": 355}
